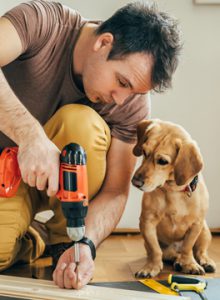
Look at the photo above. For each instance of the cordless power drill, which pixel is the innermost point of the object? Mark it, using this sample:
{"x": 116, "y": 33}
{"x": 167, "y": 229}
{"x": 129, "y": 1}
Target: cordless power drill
{"x": 73, "y": 189}
{"x": 73, "y": 186}
{"x": 73, "y": 193}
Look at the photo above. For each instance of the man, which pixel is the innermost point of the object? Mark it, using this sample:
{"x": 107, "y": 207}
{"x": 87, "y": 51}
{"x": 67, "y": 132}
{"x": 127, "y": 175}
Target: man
{"x": 84, "y": 82}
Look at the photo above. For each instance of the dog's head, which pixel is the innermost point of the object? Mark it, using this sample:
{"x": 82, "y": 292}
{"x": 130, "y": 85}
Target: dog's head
{"x": 169, "y": 154}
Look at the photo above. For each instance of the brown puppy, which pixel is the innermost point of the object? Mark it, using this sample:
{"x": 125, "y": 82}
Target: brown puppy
{"x": 175, "y": 200}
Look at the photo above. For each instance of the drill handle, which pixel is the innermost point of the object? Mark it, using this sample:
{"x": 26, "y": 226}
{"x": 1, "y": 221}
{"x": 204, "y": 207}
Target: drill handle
{"x": 10, "y": 175}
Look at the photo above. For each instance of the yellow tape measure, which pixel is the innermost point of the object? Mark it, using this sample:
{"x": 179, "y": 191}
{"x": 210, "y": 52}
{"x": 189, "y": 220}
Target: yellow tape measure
{"x": 158, "y": 287}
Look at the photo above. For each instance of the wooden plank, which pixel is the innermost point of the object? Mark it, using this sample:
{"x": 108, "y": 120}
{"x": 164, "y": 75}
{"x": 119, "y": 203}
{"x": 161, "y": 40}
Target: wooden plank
{"x": 46, "y": 290}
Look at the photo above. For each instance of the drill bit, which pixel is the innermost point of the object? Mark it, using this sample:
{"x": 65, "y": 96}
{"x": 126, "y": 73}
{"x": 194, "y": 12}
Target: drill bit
{"x": 76, "y": 255}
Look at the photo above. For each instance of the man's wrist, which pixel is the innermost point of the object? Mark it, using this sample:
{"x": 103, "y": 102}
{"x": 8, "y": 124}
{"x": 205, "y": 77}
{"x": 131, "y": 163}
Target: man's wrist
{"x": 91, "y": 245}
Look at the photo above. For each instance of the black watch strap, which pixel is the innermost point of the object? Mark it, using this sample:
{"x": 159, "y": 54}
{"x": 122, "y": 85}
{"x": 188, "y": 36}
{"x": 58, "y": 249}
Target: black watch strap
{"x": 88, "y": 242}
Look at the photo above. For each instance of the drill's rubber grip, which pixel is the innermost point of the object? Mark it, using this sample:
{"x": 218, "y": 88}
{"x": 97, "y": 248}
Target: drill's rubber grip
{"x": 91, "y": 245}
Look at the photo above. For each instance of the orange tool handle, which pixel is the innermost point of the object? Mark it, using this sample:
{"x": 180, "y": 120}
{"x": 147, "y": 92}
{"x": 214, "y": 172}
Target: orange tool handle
{"x": 10, "y": 175}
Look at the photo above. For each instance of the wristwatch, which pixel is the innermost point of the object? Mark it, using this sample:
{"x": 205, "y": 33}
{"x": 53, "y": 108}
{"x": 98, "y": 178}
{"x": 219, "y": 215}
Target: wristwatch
{"x": 91, "y": 245}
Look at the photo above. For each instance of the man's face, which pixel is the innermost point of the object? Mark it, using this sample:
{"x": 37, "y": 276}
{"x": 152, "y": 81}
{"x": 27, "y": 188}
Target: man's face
{"x": 109, "y": 81}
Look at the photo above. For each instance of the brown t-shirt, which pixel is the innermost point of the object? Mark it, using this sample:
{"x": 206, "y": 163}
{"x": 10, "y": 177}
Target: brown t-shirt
{"x": 42, "y": 76}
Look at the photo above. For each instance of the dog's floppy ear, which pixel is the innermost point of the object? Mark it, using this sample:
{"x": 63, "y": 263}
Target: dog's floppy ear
{"x": 188, "y": 163}
{"x": 141, "y": 136}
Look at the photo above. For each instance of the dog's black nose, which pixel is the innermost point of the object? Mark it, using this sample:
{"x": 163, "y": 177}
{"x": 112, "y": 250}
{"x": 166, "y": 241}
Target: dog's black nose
{"x": 137, "y": 181}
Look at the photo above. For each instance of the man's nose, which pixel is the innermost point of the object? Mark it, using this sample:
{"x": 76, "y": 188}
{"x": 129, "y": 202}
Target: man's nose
{"x": 120, "y": 96}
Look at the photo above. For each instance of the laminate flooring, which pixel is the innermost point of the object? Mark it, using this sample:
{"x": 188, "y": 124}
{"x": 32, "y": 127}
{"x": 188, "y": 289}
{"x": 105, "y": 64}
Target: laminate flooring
{"x": 118, "y": 258}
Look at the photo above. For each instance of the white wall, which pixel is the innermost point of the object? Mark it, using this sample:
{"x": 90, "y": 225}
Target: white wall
{"x": 194, "y": 101}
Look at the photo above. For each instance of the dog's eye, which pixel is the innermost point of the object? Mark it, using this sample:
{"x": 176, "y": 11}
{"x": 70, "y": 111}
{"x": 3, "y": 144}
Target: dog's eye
{"x": 162, "y": 162}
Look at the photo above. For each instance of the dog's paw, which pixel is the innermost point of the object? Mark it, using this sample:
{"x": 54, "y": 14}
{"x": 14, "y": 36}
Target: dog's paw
{"x": 189, "y": 268}
{"x": 207, "y": 263}
{"x": 209, "y": 268}
{"x": 149, "y": 270}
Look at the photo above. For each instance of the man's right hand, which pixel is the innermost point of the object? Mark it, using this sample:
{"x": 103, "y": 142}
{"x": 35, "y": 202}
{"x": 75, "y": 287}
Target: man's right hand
{"x": 38, "y": 160}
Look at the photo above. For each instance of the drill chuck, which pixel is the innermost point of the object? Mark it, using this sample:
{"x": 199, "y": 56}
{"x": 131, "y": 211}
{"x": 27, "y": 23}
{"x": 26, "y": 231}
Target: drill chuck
{"x": 76, "y": 233}
{"x": 75, "y": 213}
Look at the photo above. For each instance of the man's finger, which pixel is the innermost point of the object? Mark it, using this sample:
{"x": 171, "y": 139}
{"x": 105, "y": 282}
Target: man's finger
{"x": 60, "y": 274}
{"x": 83, "y": 279}
{"x": 41, "y": 182}
{"x": 67, "y": 279}
{"x": 31, "y": 180}
{"x": 85, "y": 273}
{"x": 71, "y": 271}
{"x": 54, "y": 276}
{"x": 53, "y": 184}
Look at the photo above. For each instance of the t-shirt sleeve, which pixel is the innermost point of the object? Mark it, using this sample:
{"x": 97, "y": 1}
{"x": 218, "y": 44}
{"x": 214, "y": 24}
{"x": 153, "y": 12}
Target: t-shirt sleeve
{"x": 36, "y": 22}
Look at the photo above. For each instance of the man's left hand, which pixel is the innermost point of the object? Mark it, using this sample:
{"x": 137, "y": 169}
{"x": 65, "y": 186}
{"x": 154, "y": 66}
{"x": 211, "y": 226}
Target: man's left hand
{"x": 65, "y": 273}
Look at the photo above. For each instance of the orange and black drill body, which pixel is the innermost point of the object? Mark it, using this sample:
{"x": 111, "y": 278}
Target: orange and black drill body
{"x": 73, "y": 191}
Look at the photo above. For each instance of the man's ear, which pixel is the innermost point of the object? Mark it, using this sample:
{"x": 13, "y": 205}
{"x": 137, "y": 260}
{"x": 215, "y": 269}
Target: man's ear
{"x": 188, "y": 163}
{"x": 141, "y": 136}
{"x": 103, "y": 40}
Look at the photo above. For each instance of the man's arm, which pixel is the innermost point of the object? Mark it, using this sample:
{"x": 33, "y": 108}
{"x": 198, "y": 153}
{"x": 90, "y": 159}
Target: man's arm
{"x": 38, "y": 157}
{"x": 106, "y": 208}
{"x": 104, "y": 213}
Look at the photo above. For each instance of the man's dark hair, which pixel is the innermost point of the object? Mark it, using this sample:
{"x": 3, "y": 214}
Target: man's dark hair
{"x": 140, "y": 27}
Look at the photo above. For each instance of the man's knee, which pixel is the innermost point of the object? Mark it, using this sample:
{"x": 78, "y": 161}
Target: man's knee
{"x": 75, "y": 123}
{"x": 82, "y": 123}
{"x": 15, "y": 216}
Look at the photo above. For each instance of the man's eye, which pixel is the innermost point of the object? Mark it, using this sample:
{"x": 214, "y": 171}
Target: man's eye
{"x": 162, "y": 162}
{"x": 123, "y": 84}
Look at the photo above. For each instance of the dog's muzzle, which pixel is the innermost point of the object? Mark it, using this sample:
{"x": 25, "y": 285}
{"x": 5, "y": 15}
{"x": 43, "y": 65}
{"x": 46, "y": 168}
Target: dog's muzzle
{"x": 137, "y": 181}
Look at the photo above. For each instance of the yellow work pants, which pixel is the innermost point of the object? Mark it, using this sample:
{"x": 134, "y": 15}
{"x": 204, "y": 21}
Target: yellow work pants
{"x": 18, "y": 240}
